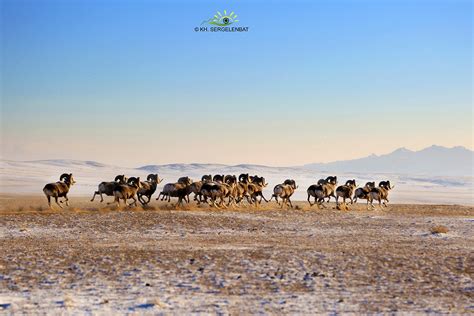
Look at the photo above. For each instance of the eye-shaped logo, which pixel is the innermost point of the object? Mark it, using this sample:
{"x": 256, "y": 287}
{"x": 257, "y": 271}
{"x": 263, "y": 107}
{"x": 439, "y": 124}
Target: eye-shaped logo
{"x": 222, "y": 20}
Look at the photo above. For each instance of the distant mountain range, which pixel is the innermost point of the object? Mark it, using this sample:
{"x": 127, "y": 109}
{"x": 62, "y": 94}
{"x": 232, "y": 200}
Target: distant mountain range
{"x": 434, "y": 160}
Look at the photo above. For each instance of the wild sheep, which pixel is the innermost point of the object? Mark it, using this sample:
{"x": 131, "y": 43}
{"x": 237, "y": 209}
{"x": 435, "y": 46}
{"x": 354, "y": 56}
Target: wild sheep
{"x": 255, "y": 190}
{"x": 195, "y": 188}
{"x": 329, "y": 187}
{"x": 206, "y": 178}
{"x": 325, "y": 188}
{"x": 258, "y": 180}
{"x": 218, "y": 178}
{"x": 284, "y": 191}
{"x": 244, "y": 178}
{"x": 241, "y": 188}
{"x": 59, "y": 189}
{"x": 239, "y": 192}
{"x": 180, "y": 189}
{"x": 148, "y": 188}
{"x": 206, "y": 190}
{"x": 345, "y": 191}
{"x": 221, "y": 191}
{"x": 127, "y": 191}
{"x": 316, "y": 191}
{"x": 107, "y": 188}
{"x": 380, "y": 194}
{"x": 228, "y": 178}
{"x": 363, "y": 193}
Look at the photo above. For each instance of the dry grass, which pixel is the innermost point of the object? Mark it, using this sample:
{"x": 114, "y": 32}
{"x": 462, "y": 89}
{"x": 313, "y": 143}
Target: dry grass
{"x": 11, "y": 204}
{"x": 439, "y": 229}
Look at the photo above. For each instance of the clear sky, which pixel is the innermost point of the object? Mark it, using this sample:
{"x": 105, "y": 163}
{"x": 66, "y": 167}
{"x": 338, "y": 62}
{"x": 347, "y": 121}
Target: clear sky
{"x": 132, "y": 83}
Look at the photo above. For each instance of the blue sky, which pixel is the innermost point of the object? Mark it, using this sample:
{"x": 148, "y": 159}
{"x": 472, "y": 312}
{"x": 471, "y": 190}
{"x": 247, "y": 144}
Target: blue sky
{"x": 311, "y": 81}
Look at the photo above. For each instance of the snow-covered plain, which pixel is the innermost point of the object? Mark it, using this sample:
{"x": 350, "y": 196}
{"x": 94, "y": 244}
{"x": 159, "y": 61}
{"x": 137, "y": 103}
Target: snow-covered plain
{"x": 30, "y": 177}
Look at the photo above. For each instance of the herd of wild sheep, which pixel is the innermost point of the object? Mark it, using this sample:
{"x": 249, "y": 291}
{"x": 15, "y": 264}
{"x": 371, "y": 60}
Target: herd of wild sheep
{"x": 224, "y": 190}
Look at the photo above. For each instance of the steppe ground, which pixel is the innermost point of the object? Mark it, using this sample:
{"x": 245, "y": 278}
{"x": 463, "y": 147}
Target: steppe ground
{"x": 91, "y": 258}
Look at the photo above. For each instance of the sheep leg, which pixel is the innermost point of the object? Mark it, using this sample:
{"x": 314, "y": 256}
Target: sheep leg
{"x": 337, "y": 200}
{"x": 196, "y": 198}
{"x": 56, "y": 199}
{"x": 134, "y": 201}
{"x": 49, "y": 201}
{"x": 67, "y": 200}
{"x": 223, "y": 202}
{"x": 93, "y": 197}
{"x": 291, "y": 205}
{"x": 321, "y": 202}
{"x": 276, "y": 198}
{"x": 149, "y": 199}
{"x": 231, "y": 200}
{"x": 159, "y": 196}
{"x": 370, "y": 200}
{"x": 249, "y": 200}
{"x": 261, "y": 194}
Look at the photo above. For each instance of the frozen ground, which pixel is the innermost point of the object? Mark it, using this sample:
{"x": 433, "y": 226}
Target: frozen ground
{"x": 90, "y": 258}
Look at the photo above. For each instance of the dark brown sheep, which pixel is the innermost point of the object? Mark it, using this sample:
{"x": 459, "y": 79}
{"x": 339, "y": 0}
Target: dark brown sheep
{"x": 59, "y": 189}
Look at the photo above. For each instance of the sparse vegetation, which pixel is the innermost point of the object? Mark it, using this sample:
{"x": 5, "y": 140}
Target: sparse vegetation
{"x": 439, "y": 229}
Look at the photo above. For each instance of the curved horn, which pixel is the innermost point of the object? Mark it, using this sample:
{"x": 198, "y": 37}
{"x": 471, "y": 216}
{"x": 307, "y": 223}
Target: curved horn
{"x": 64, "y": 175}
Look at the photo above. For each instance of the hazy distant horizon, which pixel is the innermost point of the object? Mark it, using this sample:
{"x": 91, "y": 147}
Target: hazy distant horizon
{"x": 225, "y": 163}
{"x": 131, "y": 83}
